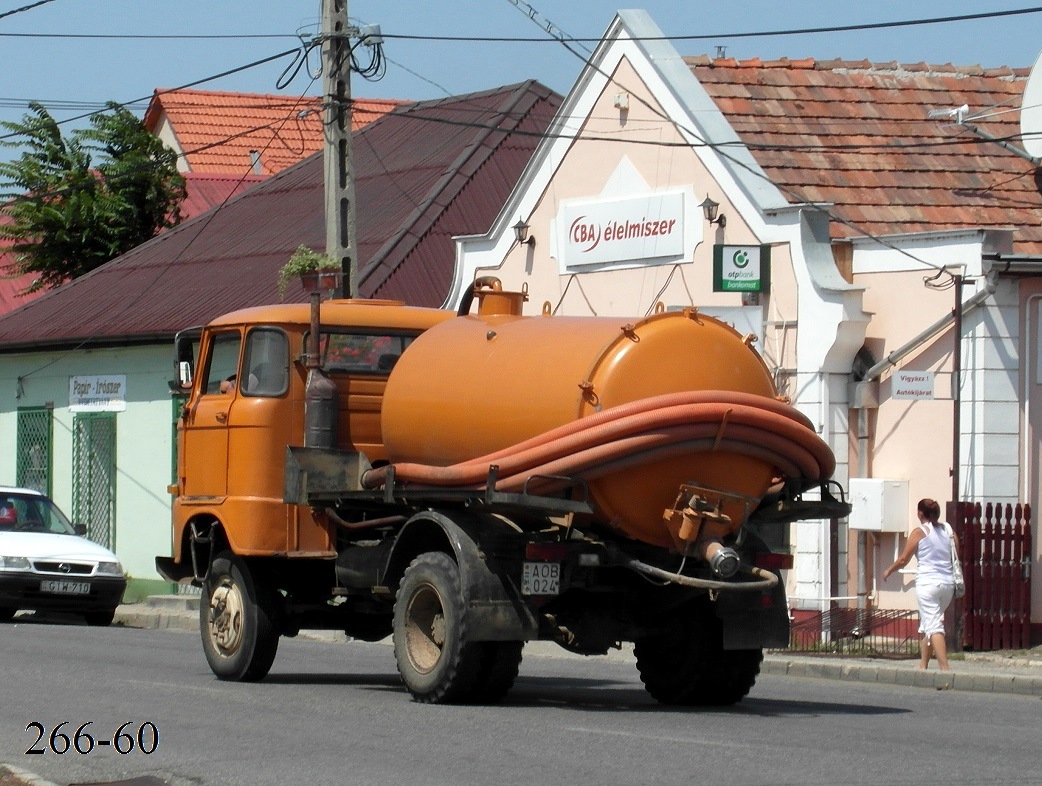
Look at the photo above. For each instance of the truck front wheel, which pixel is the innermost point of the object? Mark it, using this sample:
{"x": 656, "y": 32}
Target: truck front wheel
{"x": 237, "y": 621}
{"x": 687, "y": 664}
{"x": 437, "y": 661}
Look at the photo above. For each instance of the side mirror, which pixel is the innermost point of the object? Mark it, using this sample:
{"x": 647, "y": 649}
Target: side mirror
{"x": 80, "y": 529}
{"x": 185, "y": 345}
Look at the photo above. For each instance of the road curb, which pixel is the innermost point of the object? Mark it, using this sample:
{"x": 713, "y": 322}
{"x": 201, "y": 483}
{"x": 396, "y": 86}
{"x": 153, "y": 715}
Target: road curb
{"x": 973, "y": 681}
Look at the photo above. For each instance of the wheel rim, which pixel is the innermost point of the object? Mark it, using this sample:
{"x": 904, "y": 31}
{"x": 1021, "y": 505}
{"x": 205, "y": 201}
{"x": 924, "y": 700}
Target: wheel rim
{"x": 226, "y": 617}
{"x": 425, "y": 628}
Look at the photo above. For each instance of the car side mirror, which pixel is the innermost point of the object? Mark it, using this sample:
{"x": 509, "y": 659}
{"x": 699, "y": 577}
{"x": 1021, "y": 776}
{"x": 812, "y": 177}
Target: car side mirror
{"x": 80, "y": 529}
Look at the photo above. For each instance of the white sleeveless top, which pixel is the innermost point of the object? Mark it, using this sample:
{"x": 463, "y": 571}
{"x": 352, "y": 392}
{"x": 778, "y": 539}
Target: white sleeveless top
{"x": 933, "y": 553}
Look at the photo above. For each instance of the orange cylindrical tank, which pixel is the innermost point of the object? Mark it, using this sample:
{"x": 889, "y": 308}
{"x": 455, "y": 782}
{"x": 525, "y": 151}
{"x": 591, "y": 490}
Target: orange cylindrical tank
{"x": 481, "y": 383}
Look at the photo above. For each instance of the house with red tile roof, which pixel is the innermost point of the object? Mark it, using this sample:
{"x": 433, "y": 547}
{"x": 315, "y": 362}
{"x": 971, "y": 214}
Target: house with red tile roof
{"x": 225, "y": 143}
{"x": 215, "y": 131}
{"x": 425, "y": 174}
{"x": 872, "y": 196}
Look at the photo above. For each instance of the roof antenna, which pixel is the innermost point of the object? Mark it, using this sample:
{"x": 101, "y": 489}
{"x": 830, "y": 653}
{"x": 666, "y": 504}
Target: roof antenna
{"x": 959, "y": 114}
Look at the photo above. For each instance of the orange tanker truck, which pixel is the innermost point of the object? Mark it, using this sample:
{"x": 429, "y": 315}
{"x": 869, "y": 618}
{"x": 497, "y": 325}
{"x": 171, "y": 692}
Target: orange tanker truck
{"x": 466, "y": 482}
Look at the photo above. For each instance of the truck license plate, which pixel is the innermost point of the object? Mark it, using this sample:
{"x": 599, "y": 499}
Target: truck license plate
{"x": 65, "y": 587}
{"x": 541, "y": 578}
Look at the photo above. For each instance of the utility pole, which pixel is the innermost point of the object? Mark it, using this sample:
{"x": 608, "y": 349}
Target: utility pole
{"x": 339, "y": 179}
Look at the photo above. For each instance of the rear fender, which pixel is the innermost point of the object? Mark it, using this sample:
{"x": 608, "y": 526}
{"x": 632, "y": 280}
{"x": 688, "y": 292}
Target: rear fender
{"x": 493, "y": 600}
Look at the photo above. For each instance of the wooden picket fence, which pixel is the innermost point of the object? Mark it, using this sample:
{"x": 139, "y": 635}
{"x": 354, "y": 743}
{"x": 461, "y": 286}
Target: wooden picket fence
{"x": 996, "y": 563}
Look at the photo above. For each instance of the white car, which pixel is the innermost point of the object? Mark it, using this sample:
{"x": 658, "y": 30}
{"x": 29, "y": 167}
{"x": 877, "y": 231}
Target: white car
{"x": 46, "y": 564}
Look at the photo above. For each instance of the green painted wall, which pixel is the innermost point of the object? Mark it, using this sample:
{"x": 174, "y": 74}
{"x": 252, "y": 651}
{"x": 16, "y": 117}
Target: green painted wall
{"x": 143, "y": 438}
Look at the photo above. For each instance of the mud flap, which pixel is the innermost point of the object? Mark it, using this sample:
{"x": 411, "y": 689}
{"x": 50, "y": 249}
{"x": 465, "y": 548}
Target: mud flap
{"x": 754, "y": 620}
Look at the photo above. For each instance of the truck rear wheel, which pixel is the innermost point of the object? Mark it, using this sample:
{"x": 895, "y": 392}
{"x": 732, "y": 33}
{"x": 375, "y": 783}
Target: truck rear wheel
{"x": 237, "y": 621}
{"x": 499, "y": 668}
{"x": 437, "y": 661}
{"x": 687, "y": 665}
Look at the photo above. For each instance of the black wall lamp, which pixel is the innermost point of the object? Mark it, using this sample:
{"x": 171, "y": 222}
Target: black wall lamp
{"x": 521, "y": 233}
{"x": 711, "y": 210}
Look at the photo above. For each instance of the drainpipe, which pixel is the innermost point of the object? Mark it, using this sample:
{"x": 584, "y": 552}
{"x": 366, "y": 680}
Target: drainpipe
{"x": 865, "y": 398}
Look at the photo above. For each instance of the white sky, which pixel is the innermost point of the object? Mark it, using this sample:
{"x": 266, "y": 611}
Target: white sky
{"x": 72, "y": 70}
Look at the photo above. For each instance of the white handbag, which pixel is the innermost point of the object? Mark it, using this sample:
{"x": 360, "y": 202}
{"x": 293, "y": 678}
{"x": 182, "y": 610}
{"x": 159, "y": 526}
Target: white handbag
{"x": 960, "y": 583}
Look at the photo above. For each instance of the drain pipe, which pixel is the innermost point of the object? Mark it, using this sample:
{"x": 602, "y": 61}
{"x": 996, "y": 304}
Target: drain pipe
{"x": 865, "y": 398}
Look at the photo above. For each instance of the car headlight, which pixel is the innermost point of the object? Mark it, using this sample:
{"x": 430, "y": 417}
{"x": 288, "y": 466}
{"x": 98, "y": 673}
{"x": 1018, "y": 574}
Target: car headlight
{"x": 14, "y": 563}
{"x": 110, "y": 569}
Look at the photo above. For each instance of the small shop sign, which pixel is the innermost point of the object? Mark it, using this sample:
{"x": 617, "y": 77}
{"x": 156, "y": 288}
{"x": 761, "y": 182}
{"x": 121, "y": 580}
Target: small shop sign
{"x": 99, "y": 393}
{"x": 741, "y": 268}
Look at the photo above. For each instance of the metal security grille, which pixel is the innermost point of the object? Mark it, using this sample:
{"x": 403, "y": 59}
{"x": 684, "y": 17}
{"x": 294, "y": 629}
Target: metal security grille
{"x": 35, "y": 446}
{"x": 94, "y": 475}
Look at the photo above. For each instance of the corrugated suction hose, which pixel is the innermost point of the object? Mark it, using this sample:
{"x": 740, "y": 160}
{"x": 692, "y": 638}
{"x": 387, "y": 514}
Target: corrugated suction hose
{"x": 642, "y": 432}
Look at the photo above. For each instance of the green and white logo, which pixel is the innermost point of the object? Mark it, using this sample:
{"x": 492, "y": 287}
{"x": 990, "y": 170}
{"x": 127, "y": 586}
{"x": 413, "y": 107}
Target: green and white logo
{"x": 741, "y": 268}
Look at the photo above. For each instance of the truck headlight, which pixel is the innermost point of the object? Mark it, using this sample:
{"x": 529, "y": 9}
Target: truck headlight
{"x": 14, "y": 563}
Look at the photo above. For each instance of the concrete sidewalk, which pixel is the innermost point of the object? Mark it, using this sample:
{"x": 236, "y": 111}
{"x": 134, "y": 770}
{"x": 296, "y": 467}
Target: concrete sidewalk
{"x": 992, "y": 672}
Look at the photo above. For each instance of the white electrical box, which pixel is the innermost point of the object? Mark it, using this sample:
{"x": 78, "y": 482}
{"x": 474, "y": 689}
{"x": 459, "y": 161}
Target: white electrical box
{"x": 879, "y": 505}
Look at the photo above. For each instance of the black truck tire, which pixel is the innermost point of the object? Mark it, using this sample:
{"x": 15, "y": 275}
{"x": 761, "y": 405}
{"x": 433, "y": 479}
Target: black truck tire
{"x": 686, "y": 665}
{"x": 436, "y": 660}
{"x": 500, "y": 665}
{"x": 237, "y": 621}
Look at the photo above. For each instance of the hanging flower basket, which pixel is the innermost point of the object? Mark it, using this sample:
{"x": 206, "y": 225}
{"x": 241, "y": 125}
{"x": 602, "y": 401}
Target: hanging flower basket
{"x": 317, "y": 272}
{"x": 321, "y": 280}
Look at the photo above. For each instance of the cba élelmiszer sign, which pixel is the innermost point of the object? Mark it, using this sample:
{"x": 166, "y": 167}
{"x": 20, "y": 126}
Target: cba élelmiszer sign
{"x": 637, "y": 229}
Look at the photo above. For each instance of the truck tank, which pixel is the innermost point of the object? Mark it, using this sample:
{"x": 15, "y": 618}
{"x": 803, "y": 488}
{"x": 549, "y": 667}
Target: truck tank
{"x": 636, "y": 408}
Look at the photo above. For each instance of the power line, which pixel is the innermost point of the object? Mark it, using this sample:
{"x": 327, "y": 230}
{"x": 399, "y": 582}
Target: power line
{"x": 29, "y": 7}
{"x": 150, "y": 36}
{"x": 540, "y": 39}
{"x": 745, "y": 34}
{"x": 125, "y": 104}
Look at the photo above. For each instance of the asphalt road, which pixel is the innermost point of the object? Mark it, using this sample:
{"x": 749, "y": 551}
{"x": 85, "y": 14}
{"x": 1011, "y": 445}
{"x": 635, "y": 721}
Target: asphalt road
{"x": 336, "y": 714}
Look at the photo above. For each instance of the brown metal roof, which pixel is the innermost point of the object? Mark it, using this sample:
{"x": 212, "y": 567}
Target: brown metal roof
{"x": 423, "y": 173}
{"x": 858, "y": 134}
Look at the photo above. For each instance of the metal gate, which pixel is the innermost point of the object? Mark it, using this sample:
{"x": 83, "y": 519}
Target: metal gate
{"x": 94, "y": 475}
{"x": 35, "y": 437}
{"x": 996, "y": 563}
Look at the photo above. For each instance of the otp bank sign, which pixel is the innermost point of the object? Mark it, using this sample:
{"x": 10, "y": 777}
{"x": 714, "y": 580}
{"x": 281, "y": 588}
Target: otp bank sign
{"x": 622, "y": 230}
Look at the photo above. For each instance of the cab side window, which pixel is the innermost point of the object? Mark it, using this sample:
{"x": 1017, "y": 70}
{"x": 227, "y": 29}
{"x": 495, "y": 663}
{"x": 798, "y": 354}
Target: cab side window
{"x": 266, "y": 363}
{"x": 223, "y": 364}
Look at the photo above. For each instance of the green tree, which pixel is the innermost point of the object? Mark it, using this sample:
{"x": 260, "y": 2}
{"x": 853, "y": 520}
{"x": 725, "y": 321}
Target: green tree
{"x": 74, "y": 202}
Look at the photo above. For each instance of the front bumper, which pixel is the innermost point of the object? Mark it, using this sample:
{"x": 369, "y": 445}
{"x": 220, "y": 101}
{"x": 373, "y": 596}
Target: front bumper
{"x": 23, "y": 591}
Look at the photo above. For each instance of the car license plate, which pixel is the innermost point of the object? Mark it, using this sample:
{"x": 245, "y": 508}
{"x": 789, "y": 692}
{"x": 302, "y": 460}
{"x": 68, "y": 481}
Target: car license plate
{"x": 541, "y": 578}
{"x": 65, "y": 587}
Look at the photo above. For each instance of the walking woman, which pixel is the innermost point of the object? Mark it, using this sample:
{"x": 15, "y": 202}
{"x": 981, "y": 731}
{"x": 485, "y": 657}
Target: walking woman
{"x": 930, "y": 542}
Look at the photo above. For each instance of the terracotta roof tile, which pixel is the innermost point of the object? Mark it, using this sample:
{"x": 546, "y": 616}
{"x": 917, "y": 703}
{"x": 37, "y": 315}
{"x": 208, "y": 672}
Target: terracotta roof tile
{"x": 217, "y": 131}
{"x": 857, "y": 134}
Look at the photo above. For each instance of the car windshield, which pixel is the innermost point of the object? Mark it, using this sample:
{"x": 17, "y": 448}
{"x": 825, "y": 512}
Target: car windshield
{"x": 31, "y": 513}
